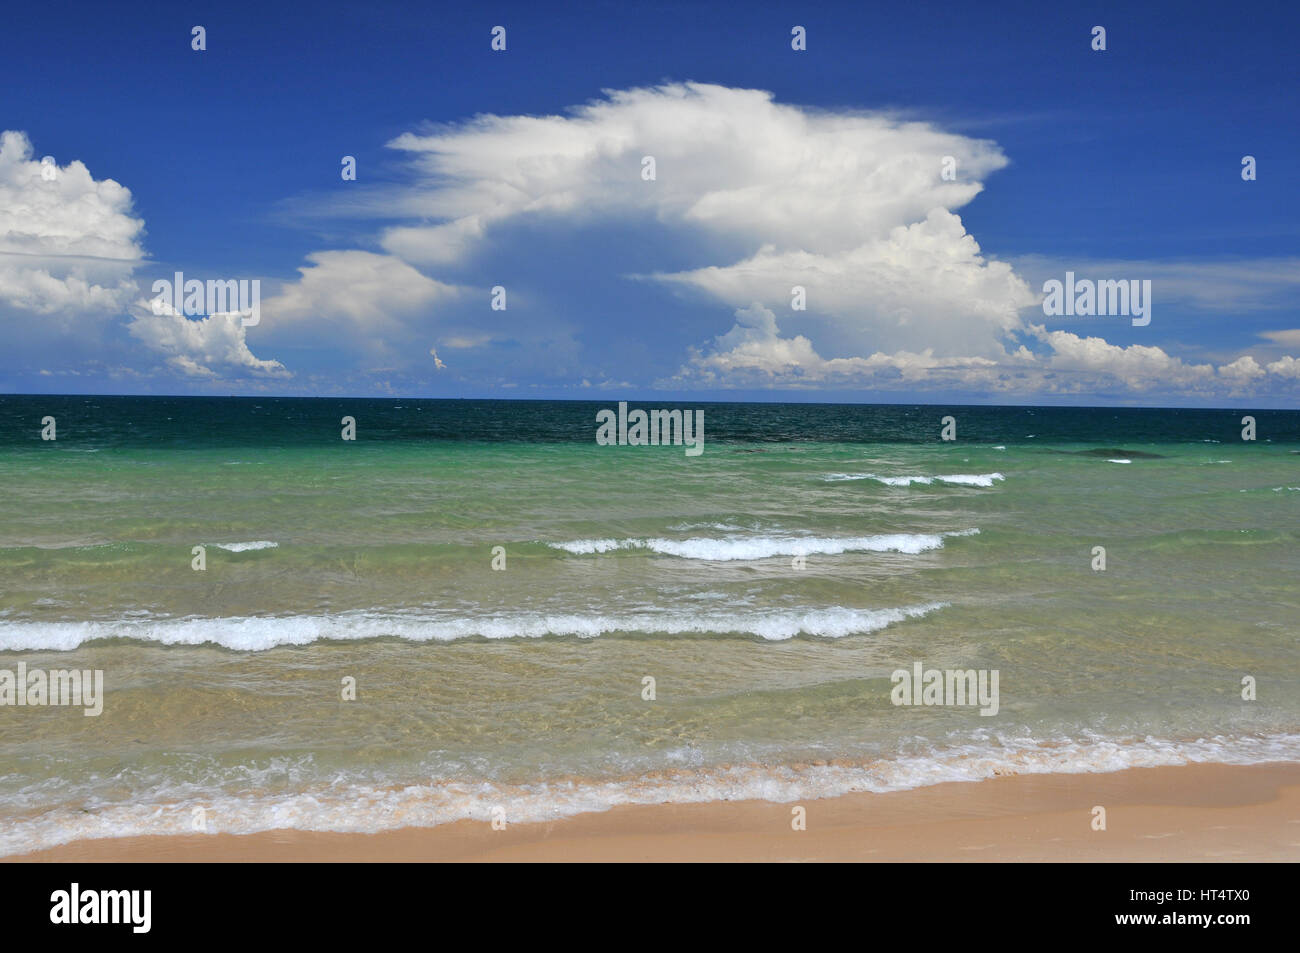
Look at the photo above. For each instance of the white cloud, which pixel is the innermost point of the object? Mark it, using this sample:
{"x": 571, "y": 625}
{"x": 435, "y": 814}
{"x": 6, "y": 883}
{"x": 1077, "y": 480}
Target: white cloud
{"x": 1286, "y": 338}
{"x": 850, "y": 206}
{"x": 1094, "y": 362}
{"x": 754, "y": 354}
{"x": 728, "y": 161}
{"x": 1242, "y": 371}
{"x": 68, "y": 242}
{"x": 374, "y": 308}
{"x": 853, "y": 206}
{"x": 367, "y": 291}
{"x": 213, "y": 347}
{"x": 1136, "y": 367}
{"x": 1285, "y": 367}
{"x": 69, "y": 247}
{"x": 923, "y": 287}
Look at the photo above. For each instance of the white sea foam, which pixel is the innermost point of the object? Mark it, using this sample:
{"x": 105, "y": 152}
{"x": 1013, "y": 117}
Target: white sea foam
{"x": 371, "y": 806}
{"x": 246, "y": 547}
{"x": 763, "y": 547}
{"x": 1119, "y": 461}
{"x": 956, "y": 479}
{"x": 255, "y": 634}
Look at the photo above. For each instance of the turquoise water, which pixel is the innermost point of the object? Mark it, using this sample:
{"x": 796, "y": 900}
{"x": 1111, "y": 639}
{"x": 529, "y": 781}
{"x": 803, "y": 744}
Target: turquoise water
{"x": 769, "y": 586}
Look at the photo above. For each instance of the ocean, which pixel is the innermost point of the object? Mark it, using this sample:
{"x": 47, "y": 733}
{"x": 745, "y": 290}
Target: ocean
{"x": 658, "y": 627}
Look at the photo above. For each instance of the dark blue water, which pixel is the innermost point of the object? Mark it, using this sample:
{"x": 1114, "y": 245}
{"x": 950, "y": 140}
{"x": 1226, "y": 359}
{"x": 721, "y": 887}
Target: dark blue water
{"x": 105, "y": 422}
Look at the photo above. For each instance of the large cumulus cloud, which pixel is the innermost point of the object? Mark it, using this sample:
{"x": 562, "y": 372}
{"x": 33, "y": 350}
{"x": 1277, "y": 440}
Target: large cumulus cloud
{"x": 68, "y": 243}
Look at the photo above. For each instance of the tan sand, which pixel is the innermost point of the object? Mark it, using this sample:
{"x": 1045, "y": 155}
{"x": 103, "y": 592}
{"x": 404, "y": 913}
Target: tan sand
{"x": 1188, "y": 813}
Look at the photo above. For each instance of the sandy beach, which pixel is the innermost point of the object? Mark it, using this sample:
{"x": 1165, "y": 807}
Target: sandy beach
{"x": 1187, "y": 813}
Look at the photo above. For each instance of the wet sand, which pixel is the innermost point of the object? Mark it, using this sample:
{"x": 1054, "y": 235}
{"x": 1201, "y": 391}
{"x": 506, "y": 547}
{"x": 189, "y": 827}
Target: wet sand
{"x": 1185, "y": 813}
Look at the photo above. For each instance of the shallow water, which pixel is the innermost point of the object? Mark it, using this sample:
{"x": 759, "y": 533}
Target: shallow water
{"x": 769, "y": 586}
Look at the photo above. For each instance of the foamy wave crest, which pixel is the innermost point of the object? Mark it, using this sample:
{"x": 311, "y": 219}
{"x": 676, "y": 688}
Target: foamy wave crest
{"x": 258, "y": 633}
{"x": 246, "y": 547}
{"x": 762, "y": 547}
{"x": 372, "y": 807}
{"x": 955, "y": 479}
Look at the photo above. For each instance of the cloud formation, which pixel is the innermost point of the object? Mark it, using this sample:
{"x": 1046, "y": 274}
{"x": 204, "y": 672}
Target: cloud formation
{"x": 211, "y": 348}
{"x": 756, "y": 204}
{"x": 925, "y": 286}
{"x": 69, "y": 248}
{"x": 857, "y": 210}
{"x": 356, "y": 300}
{"x": 727, "y": 161}
{"x": 68, "y": 242}
{"x": 753, "y": 354}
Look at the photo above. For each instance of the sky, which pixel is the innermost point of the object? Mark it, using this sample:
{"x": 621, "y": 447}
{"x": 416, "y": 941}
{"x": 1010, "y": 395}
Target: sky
{"x": 653, "y": 201}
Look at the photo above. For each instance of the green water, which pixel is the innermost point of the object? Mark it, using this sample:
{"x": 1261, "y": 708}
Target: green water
{"x": 769, "y": 586}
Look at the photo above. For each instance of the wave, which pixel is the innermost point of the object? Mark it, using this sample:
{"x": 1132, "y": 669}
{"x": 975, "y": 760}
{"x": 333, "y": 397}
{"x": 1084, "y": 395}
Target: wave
{"x": 140, "y": 544}
{"x": 763, "y": 547}
{"x": 955, "y": 479}
{"x": 372, "y": 806}
{"x": 246, "y": 547}
{"x": 258, "y": 633}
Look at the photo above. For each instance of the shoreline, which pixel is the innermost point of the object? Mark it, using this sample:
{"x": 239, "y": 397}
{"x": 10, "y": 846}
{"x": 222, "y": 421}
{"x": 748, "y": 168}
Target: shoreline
{"x": 1196, "y": 812}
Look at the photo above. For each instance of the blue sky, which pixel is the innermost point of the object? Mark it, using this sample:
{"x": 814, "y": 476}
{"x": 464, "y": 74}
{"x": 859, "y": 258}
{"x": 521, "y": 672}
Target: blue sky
{"x": 819, "y": 168}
